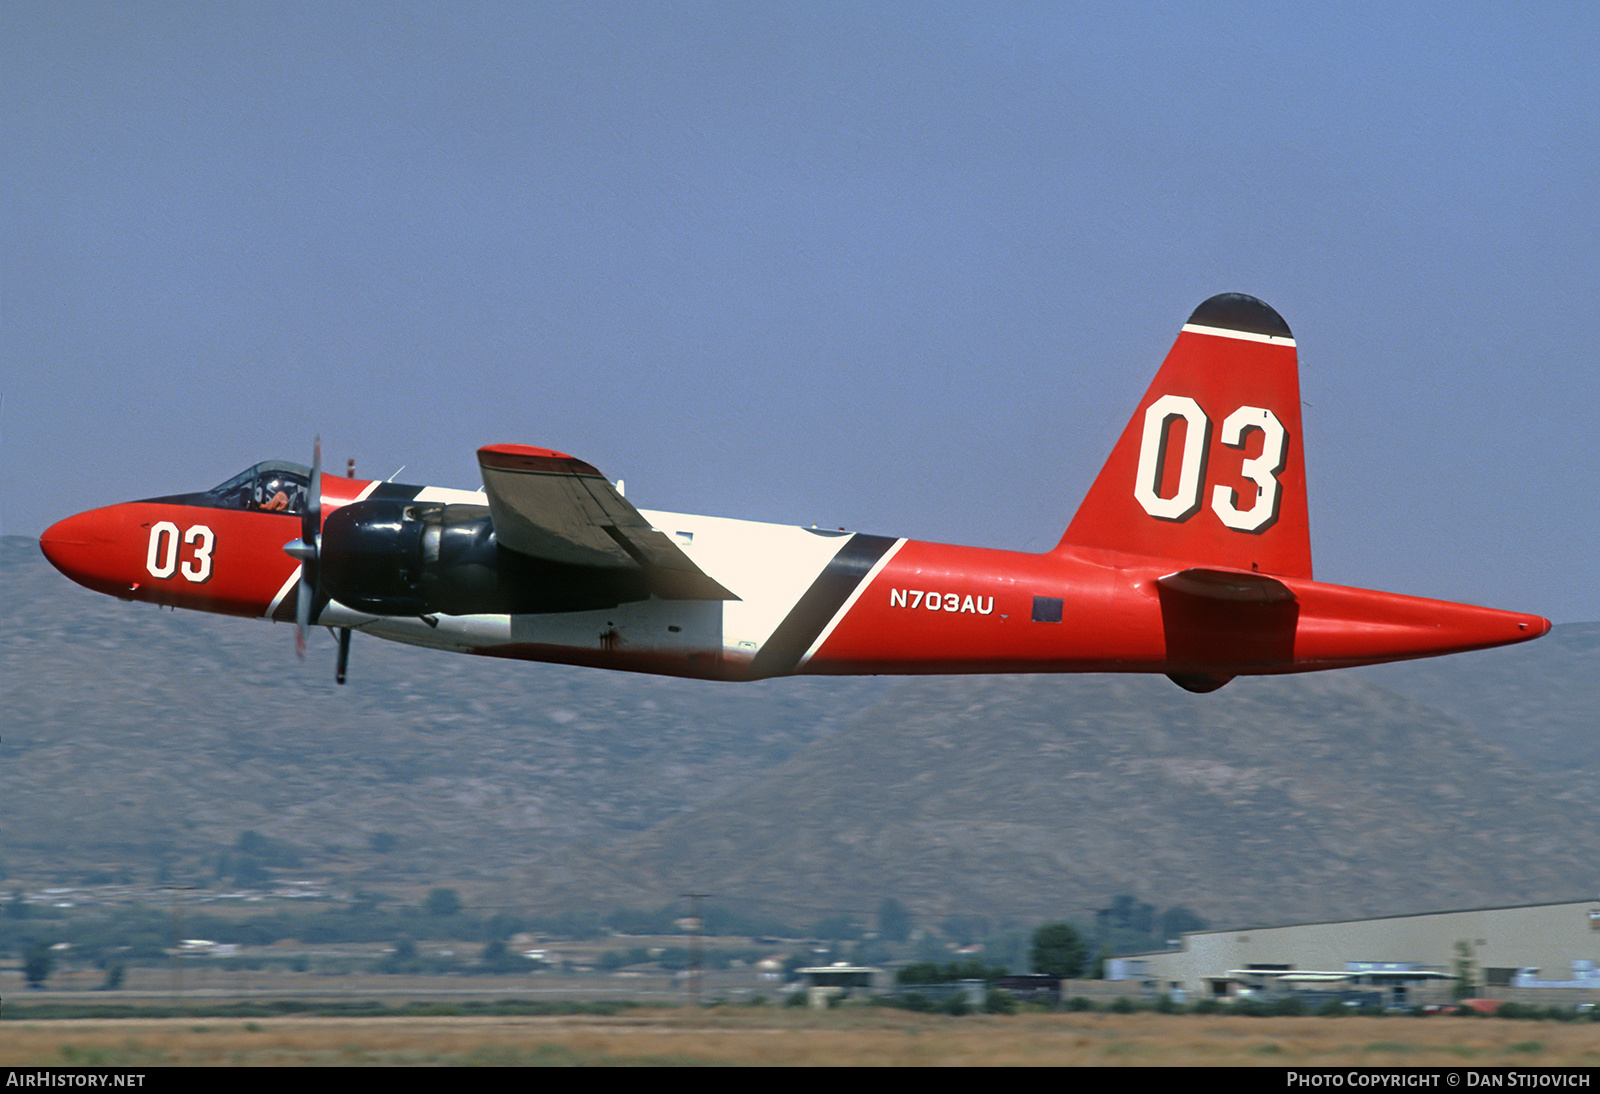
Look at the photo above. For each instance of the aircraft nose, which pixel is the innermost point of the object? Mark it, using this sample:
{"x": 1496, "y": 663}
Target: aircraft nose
{"x": 84, "y": 547}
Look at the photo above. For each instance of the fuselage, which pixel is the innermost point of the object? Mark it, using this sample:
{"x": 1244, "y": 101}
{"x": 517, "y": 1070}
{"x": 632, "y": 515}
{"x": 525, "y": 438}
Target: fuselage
{"x": 808, "y": 601}
{"x": 1190, "y": 556}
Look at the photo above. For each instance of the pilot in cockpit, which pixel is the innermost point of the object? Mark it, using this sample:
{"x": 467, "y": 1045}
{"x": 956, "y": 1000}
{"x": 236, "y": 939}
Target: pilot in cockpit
{"x": 276, "y": 493}
{"x": 275, "y": 486}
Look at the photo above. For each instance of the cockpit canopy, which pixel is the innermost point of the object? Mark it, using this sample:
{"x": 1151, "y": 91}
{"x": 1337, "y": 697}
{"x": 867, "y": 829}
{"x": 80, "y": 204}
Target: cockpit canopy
{"x": 273, "y": 486}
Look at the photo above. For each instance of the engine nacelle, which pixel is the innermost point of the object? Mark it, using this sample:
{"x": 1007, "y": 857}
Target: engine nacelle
{"x": 393, "y": 557}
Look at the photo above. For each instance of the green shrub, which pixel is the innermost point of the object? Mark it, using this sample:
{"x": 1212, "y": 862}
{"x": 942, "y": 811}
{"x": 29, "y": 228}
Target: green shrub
{"x": 997, "y": 1001}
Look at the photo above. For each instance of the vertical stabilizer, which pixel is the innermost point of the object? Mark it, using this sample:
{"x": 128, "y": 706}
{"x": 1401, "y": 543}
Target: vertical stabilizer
{"x": 1210, "y": 470}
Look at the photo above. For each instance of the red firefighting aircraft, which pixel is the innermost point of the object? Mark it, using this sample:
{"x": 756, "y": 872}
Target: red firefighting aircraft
{"x": 1190, "y": 556}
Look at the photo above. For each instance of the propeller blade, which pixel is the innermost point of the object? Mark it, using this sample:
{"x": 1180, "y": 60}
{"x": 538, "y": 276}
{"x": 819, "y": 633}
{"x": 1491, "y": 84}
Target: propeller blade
{"x": 302, "y": 612}
{"x": 309, "y": 552}
{"x": 308, "y": 549}
{"x": 311, "y": 515}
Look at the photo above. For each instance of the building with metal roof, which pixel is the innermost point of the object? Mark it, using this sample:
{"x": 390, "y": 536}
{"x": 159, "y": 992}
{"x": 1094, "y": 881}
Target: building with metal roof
{"x": 1537, "y": 953}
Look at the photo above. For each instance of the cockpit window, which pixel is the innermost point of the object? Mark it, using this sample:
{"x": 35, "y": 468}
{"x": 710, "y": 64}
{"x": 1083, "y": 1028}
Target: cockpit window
{"x": 272, "y": 486}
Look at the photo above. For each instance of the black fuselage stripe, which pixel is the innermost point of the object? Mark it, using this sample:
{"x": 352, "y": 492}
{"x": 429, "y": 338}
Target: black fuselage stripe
{"x": 780, "y": 655}
{"x": 393, "y": 491}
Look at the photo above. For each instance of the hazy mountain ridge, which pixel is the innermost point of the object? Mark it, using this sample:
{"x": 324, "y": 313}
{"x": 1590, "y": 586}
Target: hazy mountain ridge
{"x": 132, "y": 735}
{"x": 1306, "y": 797}
{"x": 1538, "y": 700}
{"x": 126, "y": 725}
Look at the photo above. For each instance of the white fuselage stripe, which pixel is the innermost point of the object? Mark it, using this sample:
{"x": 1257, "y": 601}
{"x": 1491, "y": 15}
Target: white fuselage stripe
{"x": 283, "y": 592}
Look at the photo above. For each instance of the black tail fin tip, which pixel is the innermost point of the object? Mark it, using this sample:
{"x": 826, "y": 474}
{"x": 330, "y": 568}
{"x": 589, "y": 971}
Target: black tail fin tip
{"x": 1236, "y": 311}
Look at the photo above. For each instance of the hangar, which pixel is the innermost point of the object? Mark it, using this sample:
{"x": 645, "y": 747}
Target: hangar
{"x": 1533, "y": 953}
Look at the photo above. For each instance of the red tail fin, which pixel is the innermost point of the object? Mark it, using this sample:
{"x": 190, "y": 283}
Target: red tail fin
{"x": 1211, "y": 471}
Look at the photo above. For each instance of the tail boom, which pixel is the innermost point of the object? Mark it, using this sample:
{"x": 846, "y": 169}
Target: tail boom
{"x": 937, "y": 608}
{"x": 1341, "y": 627}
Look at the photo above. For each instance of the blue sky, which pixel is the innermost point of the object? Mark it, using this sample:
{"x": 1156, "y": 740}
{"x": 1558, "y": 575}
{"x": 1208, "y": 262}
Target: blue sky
{"x": 899, "y": 267}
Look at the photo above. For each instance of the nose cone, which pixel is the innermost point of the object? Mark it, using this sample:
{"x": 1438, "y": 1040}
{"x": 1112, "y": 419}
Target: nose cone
{"x": 85, "y": 548}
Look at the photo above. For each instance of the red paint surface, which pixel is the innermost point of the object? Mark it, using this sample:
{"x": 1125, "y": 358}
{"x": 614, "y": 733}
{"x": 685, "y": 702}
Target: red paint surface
{"x": 107, "y": 550}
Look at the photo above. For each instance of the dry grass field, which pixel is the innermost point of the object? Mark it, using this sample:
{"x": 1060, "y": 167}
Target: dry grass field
{"x": 847, "y": 1036}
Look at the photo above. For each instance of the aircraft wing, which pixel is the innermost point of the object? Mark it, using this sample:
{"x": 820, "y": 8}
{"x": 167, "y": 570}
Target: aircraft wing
{"x": 556, "y": 508}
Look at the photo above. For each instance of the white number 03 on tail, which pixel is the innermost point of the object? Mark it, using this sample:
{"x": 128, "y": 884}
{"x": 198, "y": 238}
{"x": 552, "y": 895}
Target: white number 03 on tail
{"x": 1260, "y": 514}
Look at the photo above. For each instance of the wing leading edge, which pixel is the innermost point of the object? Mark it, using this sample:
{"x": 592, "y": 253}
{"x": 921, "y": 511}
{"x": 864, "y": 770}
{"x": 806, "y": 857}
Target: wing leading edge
{"x": 557, "y": 508}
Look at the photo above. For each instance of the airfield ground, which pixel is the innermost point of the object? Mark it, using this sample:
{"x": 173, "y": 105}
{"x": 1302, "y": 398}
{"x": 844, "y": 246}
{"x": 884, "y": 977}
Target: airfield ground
{"x": 778, "y": 1036}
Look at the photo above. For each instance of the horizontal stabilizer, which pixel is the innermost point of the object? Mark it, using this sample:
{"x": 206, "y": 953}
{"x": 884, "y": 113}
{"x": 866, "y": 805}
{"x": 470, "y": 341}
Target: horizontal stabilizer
{"x": 1229, "y": 585}
{"x": 1218, "y": 623}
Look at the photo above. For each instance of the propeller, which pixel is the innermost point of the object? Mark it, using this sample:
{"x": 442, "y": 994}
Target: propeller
{"x": 311, "y": 551}
{"x": 308, "y": 550}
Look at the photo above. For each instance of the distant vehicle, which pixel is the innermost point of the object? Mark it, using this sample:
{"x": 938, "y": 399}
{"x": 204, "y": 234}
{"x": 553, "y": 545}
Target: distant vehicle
{"x": 1190, "y": 556}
